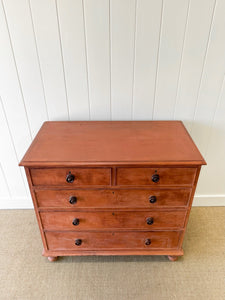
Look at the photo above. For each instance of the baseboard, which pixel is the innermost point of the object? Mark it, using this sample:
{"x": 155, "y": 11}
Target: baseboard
{"x": 26, "y": 203}
{"x": 209, "y": 200}
{"x": 16, "y": 203}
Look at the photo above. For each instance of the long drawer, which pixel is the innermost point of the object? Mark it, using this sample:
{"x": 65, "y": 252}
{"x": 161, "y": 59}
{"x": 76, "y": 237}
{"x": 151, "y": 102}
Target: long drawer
{"x": 156, "y": 176}
{"x": 112, "y": 240}
{"x": 123, "y": 220}
{"x": 71, "y": 176}
{"x": 149, "y": 198}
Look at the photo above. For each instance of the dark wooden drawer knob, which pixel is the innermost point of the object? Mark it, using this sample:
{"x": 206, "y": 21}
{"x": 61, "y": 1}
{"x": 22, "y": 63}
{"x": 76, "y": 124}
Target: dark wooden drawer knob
{"x": 149, "y": 221}
{"x": 152, "y": 199}
{"x": 70, "y": 177}
{"x": 78, "y": 242}
{"x": 73, "y": 200}
{"x": 155, "y": 177}
{"x": 147, "y": 242}
{"x": 76, "y": 222}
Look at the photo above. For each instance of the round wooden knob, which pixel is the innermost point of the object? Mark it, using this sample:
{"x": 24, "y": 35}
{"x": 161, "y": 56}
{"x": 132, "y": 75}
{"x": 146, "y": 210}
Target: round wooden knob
{"x": 155, "y": 178}
{"x": 76, "y": 222}
{"x": 147, "y": 242}
{"x": 73, "y": 200}
{"x": 70, "y": 177}
{"x": 78, "y": 242}
{"x": 149, "y": 221}
{"x": 152, "y": 199}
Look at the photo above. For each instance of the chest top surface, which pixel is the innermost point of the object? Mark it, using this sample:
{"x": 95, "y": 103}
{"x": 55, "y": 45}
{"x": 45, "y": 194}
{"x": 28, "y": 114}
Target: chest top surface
{"x": 112, "y": 142}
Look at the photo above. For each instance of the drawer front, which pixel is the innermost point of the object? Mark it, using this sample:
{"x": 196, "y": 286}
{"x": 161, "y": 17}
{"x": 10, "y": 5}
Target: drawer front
{"x": 113, "y": 198}
{"x": 76, "y": 176}
{"x": 113, "y": 220}
{"x": 156, "y": 176}
{"x": 112, "y": 240}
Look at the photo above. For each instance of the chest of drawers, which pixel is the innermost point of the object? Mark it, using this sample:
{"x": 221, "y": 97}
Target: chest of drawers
{"x": 112, "y": 187}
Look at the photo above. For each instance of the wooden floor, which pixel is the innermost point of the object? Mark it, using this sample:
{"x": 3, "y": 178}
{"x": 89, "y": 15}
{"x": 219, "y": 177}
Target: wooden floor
{"x": 200, "y": 274}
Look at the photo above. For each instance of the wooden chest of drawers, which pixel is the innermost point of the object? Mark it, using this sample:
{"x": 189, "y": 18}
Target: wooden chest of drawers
{"x": 112, "y": 187}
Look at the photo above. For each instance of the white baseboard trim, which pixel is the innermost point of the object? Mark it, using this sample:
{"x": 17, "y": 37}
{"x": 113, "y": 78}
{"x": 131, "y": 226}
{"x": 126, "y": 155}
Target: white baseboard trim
{"x": 26, "y": 203}
{"x": 16, "y": 203}
{"x": 209, "y": 200}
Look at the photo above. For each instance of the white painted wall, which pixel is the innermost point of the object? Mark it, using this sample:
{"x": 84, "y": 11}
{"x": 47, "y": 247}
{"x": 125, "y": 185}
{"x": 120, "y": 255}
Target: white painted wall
{"x": 112, "y": 60}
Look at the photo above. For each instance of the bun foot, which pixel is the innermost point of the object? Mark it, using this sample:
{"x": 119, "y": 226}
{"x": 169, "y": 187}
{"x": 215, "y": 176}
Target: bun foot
{"x": 172, "y": 258}
{"x": 52, "y": 258}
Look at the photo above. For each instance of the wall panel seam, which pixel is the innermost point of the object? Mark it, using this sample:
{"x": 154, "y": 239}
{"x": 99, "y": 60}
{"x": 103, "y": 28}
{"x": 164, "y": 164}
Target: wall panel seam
{"x": 63, "y": 64}
{"x": 203, "y": 67}
{"x": 38, "y": 60}
{"x": 13, "y": 144}
{"x": 110, "y": 63}
{"x": 6, "y": 182}
{"x": 157, "y": 65}
{"x": 86, "y": 57}
{"x": 17, "y": 73}
{"x": 181, "y": 60}
{"x": 214, "y": 115}
{"x": 134, "y": 59}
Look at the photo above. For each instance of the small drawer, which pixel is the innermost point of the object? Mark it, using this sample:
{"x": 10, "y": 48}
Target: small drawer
{"x": 112, "y": 240}
{"x": 71, "y": 176}
{"x": 113, "y": 198}
{"x": 139, "y": 220}
{"x": 156, "y": 176}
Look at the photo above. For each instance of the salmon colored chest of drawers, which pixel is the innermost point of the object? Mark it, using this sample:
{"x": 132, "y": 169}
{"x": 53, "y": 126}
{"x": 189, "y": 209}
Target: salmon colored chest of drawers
{"x": 112, "y": 187}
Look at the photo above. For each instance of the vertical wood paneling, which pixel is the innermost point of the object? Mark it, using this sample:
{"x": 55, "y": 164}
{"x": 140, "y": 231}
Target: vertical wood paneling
{"x": 11, "y": 93}
{"x": 45, "y": 21}
{"x": 4, "y": 189}
{"x": 211, "y": 81}
{"x": 96, "y": 14}
{"x": 111, "y": 59}
{"x": 146, "y": 51}
{"x": 71, "y": 24}
{"x": 215, "y": 171}
{"x": 9, "y": 161}
{"x": 193, "y": 59}
{"x": 20, "y": 27}
{"x": 170, "y": 53}
{"x": 122, "y": 24}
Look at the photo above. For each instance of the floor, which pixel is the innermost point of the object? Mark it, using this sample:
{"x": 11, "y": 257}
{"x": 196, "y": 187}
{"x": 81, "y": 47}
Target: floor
{"x": 200, "y": 274}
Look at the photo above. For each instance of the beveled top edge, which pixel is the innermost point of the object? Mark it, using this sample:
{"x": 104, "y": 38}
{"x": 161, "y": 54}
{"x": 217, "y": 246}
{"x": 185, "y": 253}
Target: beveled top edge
{"x": 57, "y": 163}
{"x": 112, "y": 164}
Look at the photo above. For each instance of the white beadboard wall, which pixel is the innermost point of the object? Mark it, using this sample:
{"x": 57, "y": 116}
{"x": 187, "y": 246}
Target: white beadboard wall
{"x": 112, "y": 60}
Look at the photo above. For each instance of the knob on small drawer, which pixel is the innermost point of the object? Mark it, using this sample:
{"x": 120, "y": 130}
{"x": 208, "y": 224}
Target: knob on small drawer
{"x": 70, "y": 177}
{"x": 76, "y": 222}
{"x": 148, "y": 242}
{"x": 155, "y": 178}
{"x": 73, "y": 200}
{"x": 152, "y": 199}
{"x": 78, "y": 242}
{"x": 149, "y": 221}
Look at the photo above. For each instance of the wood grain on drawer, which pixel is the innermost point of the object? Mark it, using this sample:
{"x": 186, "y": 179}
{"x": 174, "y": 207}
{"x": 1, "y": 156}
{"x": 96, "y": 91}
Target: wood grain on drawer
{"x": 82, "y": 176}
{"x": 113, "y": 220}
{"x": 112, "y": 198}
{"x": 112, "y": 240}
{"x": 167, "y": 176}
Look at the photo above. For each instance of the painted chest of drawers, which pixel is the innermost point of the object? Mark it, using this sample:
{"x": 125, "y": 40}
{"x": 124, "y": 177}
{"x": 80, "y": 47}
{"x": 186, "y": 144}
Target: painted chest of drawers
{"x": 112, "y": 187}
